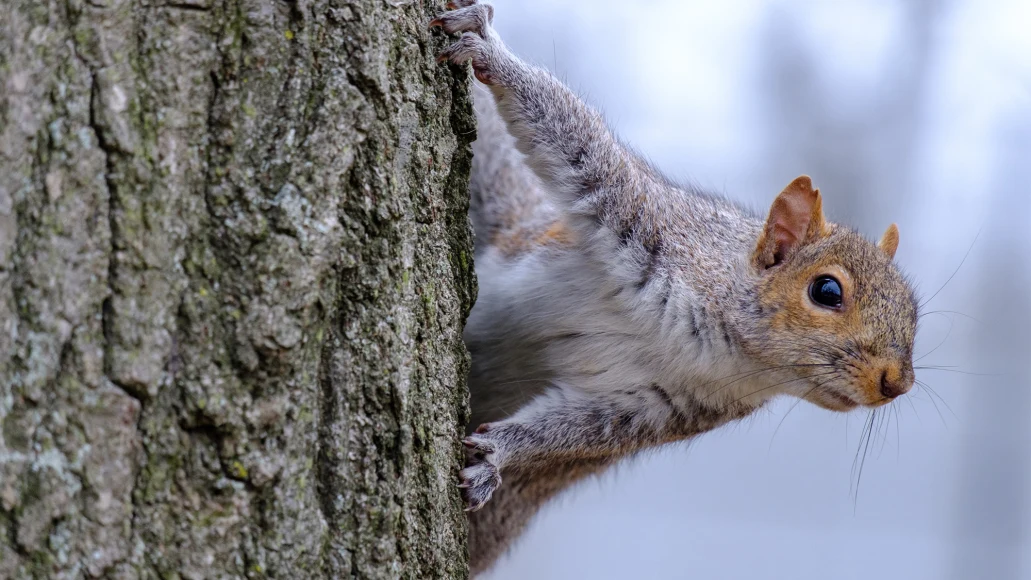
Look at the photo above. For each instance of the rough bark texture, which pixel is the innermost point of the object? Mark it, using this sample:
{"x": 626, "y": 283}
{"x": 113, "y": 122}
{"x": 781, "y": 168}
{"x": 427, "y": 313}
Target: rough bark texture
{"x": 234, "y": 267}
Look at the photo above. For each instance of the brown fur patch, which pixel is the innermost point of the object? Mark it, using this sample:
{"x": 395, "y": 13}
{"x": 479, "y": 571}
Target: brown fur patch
{"x": 890, "y": 241}
{"x": 522, "y": 240}
{"x": 558, "y": 233}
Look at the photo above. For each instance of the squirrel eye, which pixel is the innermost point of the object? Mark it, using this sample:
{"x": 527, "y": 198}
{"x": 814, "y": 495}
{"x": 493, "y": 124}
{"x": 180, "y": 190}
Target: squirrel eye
{"x": 826, "y": 291}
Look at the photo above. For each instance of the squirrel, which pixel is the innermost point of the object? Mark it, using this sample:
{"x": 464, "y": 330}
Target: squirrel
{"x": 619, "y": 311}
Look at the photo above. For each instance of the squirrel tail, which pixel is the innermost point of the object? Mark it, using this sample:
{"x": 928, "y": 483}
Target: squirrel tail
{"x": 508, "y": 207}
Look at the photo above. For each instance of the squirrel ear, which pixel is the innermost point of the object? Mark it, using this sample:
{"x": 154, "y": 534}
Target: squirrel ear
{"x": 890, "y": 241}
{"x": 796, "y": 217}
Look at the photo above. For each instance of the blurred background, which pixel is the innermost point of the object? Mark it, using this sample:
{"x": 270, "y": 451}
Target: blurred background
{"x": 913, "y": 112}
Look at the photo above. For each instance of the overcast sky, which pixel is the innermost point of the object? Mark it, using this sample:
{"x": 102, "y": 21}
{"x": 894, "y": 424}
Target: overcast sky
{"x": 920, "y": 116}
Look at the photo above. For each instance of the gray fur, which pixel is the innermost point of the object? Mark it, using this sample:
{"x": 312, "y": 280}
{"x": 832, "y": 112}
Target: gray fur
{"x": 646, "y": 327}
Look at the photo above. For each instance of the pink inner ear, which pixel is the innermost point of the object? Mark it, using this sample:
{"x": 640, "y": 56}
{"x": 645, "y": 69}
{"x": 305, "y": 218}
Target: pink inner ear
{"x": 785, "y": 240}
{"x": 795, "y": 211}
{"x": 790, "y": 215}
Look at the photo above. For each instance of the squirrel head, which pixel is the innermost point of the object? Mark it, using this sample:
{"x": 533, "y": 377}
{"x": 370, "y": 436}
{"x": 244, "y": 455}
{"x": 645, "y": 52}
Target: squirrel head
{"x": 833, "y": 306}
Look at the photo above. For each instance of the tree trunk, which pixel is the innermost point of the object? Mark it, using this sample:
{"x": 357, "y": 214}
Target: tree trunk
{"x": 235, "y": 263}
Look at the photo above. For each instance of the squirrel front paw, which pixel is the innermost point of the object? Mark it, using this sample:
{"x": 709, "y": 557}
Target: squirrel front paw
{"x": 482, "y": 475}
{"x": 479, "y": 43}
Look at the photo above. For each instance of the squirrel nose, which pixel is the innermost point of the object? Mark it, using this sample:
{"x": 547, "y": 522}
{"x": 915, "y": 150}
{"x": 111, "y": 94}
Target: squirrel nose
{"x": 892, "y": 387}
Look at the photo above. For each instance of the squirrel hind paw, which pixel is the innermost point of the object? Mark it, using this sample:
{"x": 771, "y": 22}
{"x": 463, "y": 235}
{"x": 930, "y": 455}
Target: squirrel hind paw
{"x": 481, "y": 476}
{"x": 479, "y": 481}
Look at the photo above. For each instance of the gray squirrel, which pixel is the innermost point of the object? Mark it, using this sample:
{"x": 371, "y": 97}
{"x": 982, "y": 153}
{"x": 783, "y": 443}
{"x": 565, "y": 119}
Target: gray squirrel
{"x": 619, "y": 311}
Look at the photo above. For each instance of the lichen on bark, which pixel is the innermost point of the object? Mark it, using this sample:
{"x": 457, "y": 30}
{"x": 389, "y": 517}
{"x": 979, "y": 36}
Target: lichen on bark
{"x": 235, "y": 262}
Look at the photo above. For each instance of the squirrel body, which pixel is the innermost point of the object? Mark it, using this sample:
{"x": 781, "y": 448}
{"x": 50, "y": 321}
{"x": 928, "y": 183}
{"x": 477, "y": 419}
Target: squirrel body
{"x": 619, "y": 311}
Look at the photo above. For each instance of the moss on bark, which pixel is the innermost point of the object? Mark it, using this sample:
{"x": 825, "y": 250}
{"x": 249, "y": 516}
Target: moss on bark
{"x": 234, "y": 269}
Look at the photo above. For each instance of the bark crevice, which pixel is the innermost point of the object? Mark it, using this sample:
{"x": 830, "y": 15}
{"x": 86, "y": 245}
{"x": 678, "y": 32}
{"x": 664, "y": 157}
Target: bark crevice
{"x": 230, "y": 331}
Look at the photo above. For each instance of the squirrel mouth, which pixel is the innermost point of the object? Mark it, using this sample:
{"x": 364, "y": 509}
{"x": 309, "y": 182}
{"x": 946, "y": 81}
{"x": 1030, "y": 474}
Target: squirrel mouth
{"x": 835, "y": 401}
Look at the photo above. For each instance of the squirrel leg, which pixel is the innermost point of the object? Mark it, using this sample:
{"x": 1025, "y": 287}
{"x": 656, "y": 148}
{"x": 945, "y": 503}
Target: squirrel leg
{"x": 557, "y": 428}
{"x": 561, "y": 437}
{"x": 566, "y": 142}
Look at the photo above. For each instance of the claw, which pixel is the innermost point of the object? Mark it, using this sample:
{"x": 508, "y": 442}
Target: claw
{"x": 435, "y": 23}
{"x": 474, "y": 507}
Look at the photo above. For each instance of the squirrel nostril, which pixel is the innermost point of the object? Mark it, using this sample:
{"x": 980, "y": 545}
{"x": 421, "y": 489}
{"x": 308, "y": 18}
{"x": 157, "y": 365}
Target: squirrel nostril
{"x": 888, "y": 388}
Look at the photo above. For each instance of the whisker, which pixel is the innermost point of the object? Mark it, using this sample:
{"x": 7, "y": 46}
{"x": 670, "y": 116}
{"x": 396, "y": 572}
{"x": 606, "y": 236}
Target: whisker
{"x": 948, "y": 369}
{"x": 800, "y": 399}
{"x": 898, "y": 435}
{"x": 935, "y": 405}
{"x": 864, "y": 448}
{"x": 961, "y": 262}
{"x": 888, "y": 416}
{"x": 935, "y": 393}
{"x": 955, "y": 312}
{"x": 757, "y": 391}
{"x": 915, "y": 412}
{"x": 947, "y": 335}
{"x": 881, "y": 422}
{"x": 750, "y": 374}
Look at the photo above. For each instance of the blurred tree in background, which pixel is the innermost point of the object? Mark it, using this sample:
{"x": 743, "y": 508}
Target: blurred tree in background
{"x": 865, "y": 150}
{"x": 995, "y": 473}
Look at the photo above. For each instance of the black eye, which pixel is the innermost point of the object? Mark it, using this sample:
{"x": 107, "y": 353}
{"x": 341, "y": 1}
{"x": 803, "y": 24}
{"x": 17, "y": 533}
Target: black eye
{"x": 826, "y": 291}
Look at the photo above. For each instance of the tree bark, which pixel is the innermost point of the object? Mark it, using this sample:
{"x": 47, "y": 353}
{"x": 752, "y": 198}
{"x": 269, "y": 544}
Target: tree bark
{"x": 235, "y": 262}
